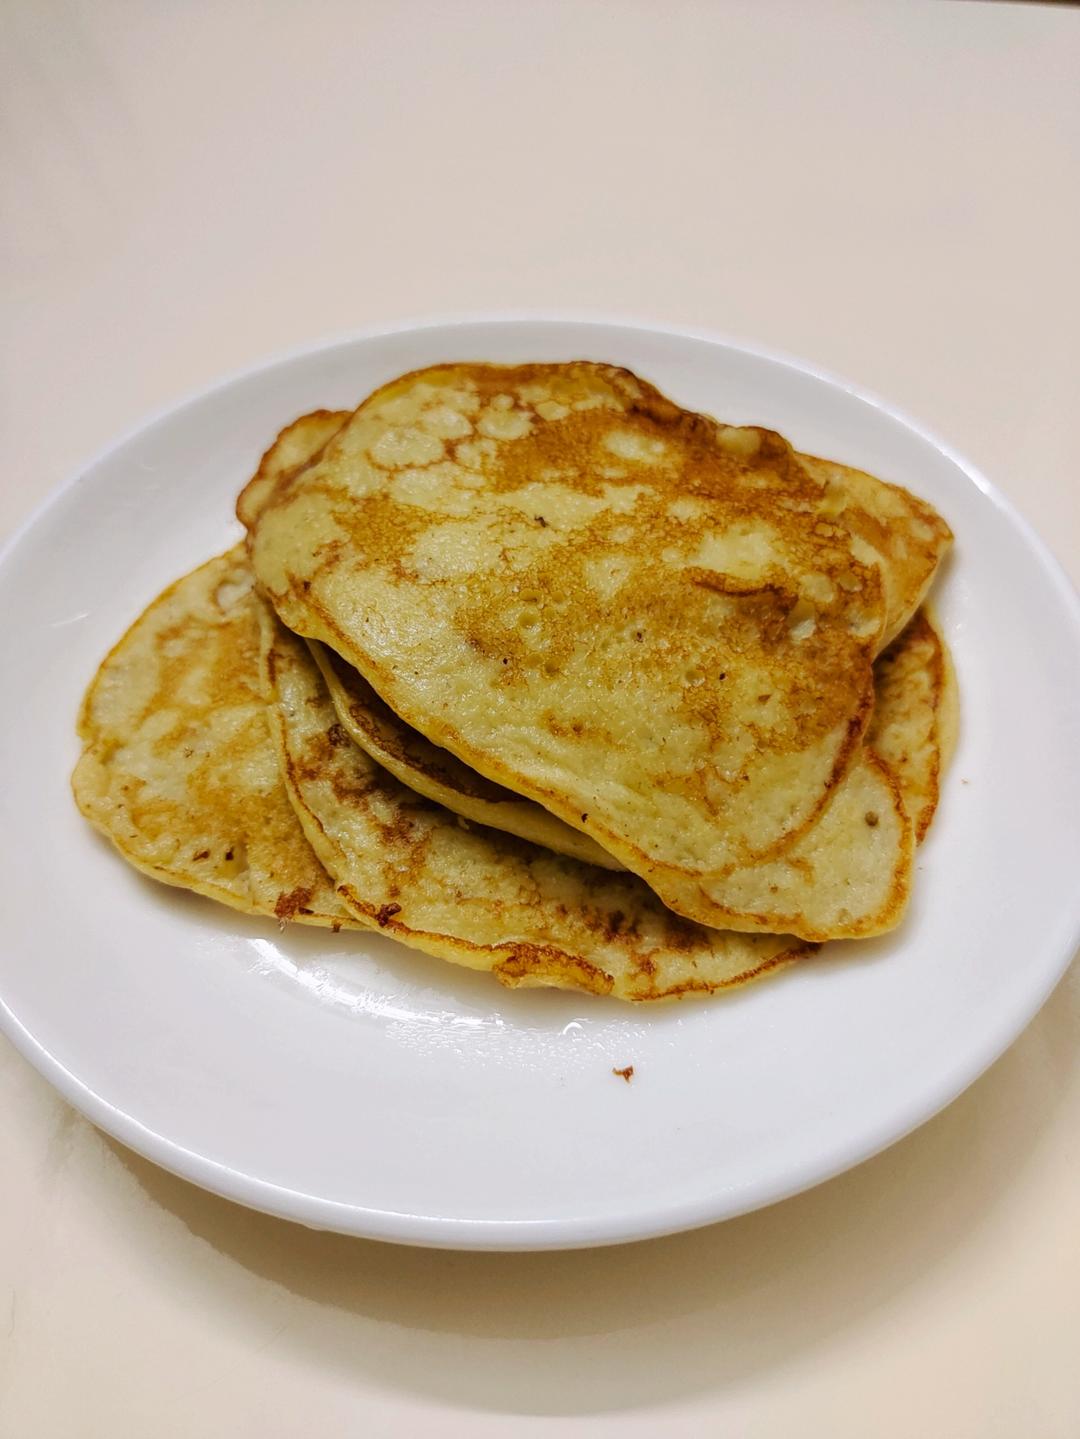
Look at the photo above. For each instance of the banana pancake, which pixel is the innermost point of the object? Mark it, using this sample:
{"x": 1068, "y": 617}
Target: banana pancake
{"x": 889, "y": 519}
{"x": 476, "y": 896}
{"x": 438, "y": 774}
{"x": 620, "y": 716}
{"x": 178, "y": 768}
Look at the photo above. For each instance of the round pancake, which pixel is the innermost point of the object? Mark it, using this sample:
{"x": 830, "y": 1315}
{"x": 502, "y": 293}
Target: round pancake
{"x": 629, "y": 613}
{"x": 178, "y": 769}
{"x": 475, "y": 896}
{"x": 868, "y": 883}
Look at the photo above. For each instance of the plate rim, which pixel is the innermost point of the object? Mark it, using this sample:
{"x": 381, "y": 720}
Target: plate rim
{"x": 561, "y": 1233}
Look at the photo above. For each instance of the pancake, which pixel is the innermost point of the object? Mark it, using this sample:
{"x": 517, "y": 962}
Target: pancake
{"x": 178, "y": 769}
{"x": 487, "y": 544}
{"x": 912, "y": 733}
{"x": 475, "y": 896}
{"x": 692, "y": 705}
{"x": 916, "y": 718}
{"x": 908, "y": 536}
{"x": 296, "y": 445}
{"x": 439, "y": 775}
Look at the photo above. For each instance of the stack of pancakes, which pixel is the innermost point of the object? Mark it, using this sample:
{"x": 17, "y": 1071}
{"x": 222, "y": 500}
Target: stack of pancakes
{"x": 540, "y": 673}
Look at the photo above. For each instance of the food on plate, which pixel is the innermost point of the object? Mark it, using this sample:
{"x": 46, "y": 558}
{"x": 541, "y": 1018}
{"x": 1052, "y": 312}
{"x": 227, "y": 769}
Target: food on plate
{"x": 908, "y": 536}
{"x": 917, "y": 715}
{"x": 473, "y": 895}
{"x": 542, "y": 674}
{"x": 550, "y": 571}
{"x": 178, "y": 768}
{"x": 658, "y": 627}
{"x": 437, "y": 773}
{"x": 295, "y": 446}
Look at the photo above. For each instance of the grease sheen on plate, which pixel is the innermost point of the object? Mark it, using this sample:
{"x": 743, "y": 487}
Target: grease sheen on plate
{"x": 244, "y": 1058}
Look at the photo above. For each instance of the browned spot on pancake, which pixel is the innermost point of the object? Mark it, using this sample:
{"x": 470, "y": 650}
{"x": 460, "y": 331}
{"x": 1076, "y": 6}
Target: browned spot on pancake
{"x": 295, "y": 902}
{"x": 540, "y": 962}
{"x": 385, "y": 913}
{"x": 615, "y": 922}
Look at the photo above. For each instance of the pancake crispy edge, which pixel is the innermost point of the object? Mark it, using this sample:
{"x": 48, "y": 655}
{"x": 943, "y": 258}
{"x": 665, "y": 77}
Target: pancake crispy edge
{"x": 296, "y": 446}
{"x": 916, "y": 719}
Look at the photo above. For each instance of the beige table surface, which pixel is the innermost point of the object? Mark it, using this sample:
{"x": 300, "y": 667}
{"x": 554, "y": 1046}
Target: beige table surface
{"x": 890, "y": 190}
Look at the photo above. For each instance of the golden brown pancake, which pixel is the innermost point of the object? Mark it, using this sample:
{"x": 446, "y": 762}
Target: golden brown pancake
{"x": 178, "y": 769}
{"x": 481, "y": 542}
{"x": 296, "y": 446}
{"x": 908, "y": 538}
{"x": 475, "y": 896}
{"x": 438, "y": 774}
{"x": 629, "y": 613}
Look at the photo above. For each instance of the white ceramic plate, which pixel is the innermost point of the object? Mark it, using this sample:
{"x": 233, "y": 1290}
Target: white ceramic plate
{"x": 351, "y": 1084}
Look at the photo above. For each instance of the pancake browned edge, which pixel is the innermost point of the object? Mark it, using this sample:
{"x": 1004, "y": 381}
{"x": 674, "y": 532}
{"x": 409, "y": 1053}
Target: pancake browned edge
{"x": 297, "y": 445}
{"x": 917, "y": 715}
